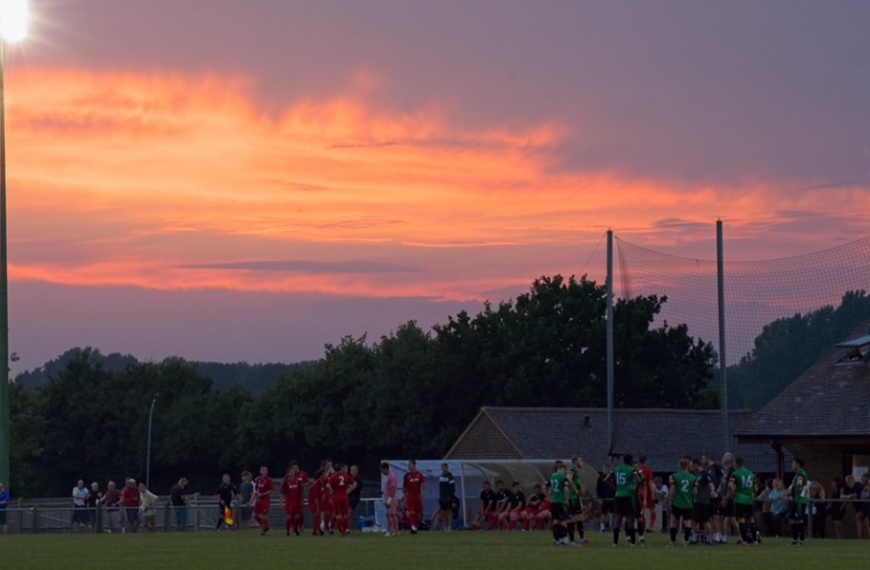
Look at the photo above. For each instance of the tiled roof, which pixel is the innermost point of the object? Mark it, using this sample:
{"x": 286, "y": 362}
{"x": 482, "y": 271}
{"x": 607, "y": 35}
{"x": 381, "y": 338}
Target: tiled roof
{"x": 828, "y": 400}
{"x": 663, "y": 435}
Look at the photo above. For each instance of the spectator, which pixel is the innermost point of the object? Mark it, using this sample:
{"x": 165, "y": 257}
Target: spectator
{"x": 763, "y": 497}
{"x": 148, "y": 505}
{"x": 660, "y": 492}
{"x": 606, "y": 490}
{"x": 92, "y": 501}
{"x": 80, "y": 513}
{"x": 179, "y": 504}
{"x": 246, "y": 494}
{"x": 4, "y": 505}
{"x": 778, "y": 506}
{"x": 817, "y": 509}
{"x": 864, "y": 519}
{"x": 837, "y": 508}
{"x": 853, "y": 490}
{"x": 111, "y": 498}
{"x": 130, "y": 500}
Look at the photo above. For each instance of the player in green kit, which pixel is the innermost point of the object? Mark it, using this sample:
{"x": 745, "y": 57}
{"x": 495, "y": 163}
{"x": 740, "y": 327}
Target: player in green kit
{"x": 742, "y": 486}
{"x": 626, "y": 478}
{"x": 799, "y": 491}
{"x": 575, "y": 503}
{"x": 558, "y": 485}
{"x": 682, "y": 486}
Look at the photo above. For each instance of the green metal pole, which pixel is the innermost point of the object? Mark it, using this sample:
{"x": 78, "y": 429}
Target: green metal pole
{"x": 4, "y": 296}
{"x": 723, "y": 396}
{"x": 609, "y": 342}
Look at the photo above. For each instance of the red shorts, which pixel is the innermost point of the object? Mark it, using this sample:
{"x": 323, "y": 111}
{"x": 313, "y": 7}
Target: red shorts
{"x": 341, "y": 505}
{"x": 292, "y": 509}
{"x": 262, "y": 506}
{"x": 414, "y": 505}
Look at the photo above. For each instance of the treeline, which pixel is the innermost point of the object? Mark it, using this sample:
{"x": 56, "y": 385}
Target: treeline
{"x": 787, "y": 347}
{"x": 409, "y": 394}
{"x": 256, "y": 377}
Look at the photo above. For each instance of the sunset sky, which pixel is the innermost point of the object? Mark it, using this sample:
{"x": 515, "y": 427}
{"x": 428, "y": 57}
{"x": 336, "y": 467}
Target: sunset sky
{"x": 250, "y": 179}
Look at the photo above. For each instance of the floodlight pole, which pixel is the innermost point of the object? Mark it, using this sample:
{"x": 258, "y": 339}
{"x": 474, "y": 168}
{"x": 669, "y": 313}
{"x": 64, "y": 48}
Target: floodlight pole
{"x": 4, "y": 295}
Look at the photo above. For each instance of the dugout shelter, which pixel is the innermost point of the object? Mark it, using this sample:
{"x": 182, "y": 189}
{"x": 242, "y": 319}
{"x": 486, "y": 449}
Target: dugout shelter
{"x": 470, "y": 475}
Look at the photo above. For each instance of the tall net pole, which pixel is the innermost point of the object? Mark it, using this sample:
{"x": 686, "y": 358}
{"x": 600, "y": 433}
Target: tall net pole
{"x": 4, "y": 297}
{"x": 723, "y": 392}
{"x": 609, "y": 332}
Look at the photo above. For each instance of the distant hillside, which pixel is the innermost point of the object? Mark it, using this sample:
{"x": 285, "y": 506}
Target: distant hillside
{"x": 255, "y": 377}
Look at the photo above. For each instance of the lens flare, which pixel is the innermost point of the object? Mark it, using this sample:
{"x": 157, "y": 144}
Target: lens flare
{"x": 14, "y": 15}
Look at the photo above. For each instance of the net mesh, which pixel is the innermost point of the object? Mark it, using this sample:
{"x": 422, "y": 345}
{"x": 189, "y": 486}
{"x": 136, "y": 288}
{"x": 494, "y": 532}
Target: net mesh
{"x": 804, "y": 305}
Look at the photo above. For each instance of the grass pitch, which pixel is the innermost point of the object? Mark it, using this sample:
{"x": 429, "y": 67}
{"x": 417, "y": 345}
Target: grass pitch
{"x": 436, "y": 550}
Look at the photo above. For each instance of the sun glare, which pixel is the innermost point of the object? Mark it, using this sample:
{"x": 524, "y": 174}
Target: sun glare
{"x": 13, "y": 19}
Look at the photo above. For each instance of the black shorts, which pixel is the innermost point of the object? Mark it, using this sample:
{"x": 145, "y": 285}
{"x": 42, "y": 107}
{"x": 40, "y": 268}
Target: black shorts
{"x": 80, "y": 515}
{"x": 557, "y": 512}
{"x": 574, "y": 507}
{"x": 607, "y": 506}
{"x": 701, "y": 512}
{"x": 743, "y": 511}
{"x": 797, "y": 511}
{"x": 446, "y": 504}
{"x": 132, "y": 514}
{"x": 678, "y": 512}
{"x": 725, "y": 508}
{"x": 626, "y": 506}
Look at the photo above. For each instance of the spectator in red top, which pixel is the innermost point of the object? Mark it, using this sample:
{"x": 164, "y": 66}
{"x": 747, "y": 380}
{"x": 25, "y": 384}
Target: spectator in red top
{"x": 339, "y": 484}
{"x": 263, "y": 499}
{"x": 412, "y": 489}
{"x": 111, "y": 498}
{"x": 130, "y": 501}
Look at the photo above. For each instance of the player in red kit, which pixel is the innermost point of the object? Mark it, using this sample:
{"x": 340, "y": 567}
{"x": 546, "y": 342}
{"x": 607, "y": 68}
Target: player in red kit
{"x": 327, "y": 512}
{"x": 291, "y": 496}
{"x": 339, "y": 485}
{"x": 412, "y": 487}
{"x": 315, "y": 494}
{"x": 645, "y": 498}
{"x": 262, "y": 499}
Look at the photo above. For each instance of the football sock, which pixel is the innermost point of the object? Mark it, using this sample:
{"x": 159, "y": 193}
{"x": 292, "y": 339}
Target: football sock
{"x": 580, "y": 530}
{"x": 673, "y": 534}
{"x": 571, "y": 527}
{"x": 616, "y": 536}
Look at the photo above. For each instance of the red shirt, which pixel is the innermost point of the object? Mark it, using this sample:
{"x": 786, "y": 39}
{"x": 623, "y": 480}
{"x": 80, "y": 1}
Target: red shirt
{"x": 314, "y": 494}
{"x": 264, "y": 487}
{"x": 645, "y": 488}
{"x": 292, "y": 487}
{"x": 112, "y": 498}
{"x": 339, "y": 483}
{"x": 413, "y": 484}
{"x": 302, "y": 479}
{"x": 130, "y": 497}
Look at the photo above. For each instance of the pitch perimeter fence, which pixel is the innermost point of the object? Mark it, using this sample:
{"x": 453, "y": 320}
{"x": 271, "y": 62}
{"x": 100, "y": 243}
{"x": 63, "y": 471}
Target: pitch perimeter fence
{"x": 56, "y": 516}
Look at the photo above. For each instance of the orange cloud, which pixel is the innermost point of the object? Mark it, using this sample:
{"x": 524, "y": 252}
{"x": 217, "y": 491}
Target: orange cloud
{"x": 125, "y": 179}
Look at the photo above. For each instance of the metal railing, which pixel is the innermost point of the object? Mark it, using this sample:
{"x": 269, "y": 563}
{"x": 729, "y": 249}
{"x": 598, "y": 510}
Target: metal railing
{"x": 199, "y": 514}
